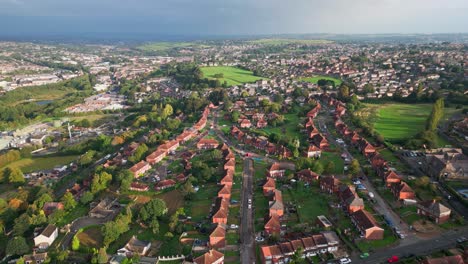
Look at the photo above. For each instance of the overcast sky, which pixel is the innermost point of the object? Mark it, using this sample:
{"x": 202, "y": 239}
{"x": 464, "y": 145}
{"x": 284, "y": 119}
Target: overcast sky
{"x": 232, "y": 17}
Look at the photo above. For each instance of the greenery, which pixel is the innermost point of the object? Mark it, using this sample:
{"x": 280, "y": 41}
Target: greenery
{"x": 28, "y": 165}
{"x": 230, "y": 75}
{"x": 316, "y": 79}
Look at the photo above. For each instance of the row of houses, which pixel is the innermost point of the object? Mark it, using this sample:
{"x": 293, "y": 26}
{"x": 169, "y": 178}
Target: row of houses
{"x": 165, "y": 149}
{"x": 261, "y": 143}
{"x": 392, "y": 180}
{"x": 350, "y": 201}
{"x": 221, "y": 209}
{"x": 318, "y": 142}
{"x": 275, "y": 203}
{"x": 316, "y": 244}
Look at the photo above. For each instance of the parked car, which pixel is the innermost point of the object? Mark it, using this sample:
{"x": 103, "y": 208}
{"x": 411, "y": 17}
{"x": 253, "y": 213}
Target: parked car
{"x": 259, "y": 239}
{"x": 393, "y": 259}
{"x": 364, "y": 255}
{"x": 462, "y": 239}
{"x": 345, "y": 260}
{"x": 233, "y": 226}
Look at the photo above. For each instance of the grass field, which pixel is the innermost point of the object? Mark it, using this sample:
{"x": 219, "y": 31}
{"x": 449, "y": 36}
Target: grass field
{"x": 315, "y": 79}
{"x": 309, "y": 202}
{"x": 273, "y": 41}
{"x": 42, "y": 163}
{"x": 232, "y": 75}
{"x": 398, "y": 122}
{"x": 165, "y": 46}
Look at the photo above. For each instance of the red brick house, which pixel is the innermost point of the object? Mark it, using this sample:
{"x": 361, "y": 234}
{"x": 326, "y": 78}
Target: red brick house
{"x": 276, "y": 171}
{"x": 207, "y": 143}
{"x": 269, "y": 186}
{"x": 309, "y": 123}
{"x": 218, "y": 237}
{"x": 210, "y": 257}
{"x": 276, "y": 203}
{"x": 329, "y": 184}
{"x": 312, "y": 132}
{"x": 391, "y": 177}
{"x": 139, "y": 187}
{"x": 435, "y": 211}
{"x": 320, "y": 141}
{"x": 273, "y": 225}
{"x": 245, "y": 123}
{"x": 402, "y": 191}
{"x": 349, "y": 199}
{"x": 262, "y": 123}
{"x": 140, "y": 168}
{"x": 225, "y": 192}
{"x": 367, "y": 225}
{"x": 184, "y": 137}
{"x": 169, "y": 146}
{"x": 366, "y": 148}
{"x": 313, "y": 152}
{"x": 227, "y": 179}
{"x": 156, "y": 157}
{"x": 220, "y": 217}
{"x": 164, "y": 184}
{"x": 456, "y": 259}
{"x": 272, "y": 254}
{"x": 230, "y": 164}
{"x": 306, "y": 175}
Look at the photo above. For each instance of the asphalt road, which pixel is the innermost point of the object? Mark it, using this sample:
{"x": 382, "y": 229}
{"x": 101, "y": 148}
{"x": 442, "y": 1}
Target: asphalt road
{"x": 246, "y": 228}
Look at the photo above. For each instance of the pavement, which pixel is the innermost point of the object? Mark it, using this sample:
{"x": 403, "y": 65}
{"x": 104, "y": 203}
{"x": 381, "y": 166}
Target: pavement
{"x": 247, "y": 251}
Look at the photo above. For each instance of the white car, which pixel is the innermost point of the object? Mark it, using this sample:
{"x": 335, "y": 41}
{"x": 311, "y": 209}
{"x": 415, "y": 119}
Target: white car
{"x": 233, "y": 226}
{"x": 250, "y": 206}
{"x": 259, "y": 239}
{"x": 250, "y": 201}
{"x": 345, "y": 261}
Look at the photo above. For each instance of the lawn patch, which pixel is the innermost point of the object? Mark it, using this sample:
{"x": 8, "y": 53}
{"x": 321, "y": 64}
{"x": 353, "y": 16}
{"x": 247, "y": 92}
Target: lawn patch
{"x": 232, "y": 75}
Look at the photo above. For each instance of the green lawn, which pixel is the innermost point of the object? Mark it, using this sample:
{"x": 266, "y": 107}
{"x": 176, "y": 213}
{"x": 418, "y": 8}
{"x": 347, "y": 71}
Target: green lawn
{"x": 315, "y": 79}
{"x": 310, "y": 203}
{"x": 42, "y": 163}
{"x": 202, "y": 200}
{"x": 165, "y": 46}
{"x": 335, "y": 158}
{"x": 368, "y": 245}
{"x": 398, "y": 122}
{"x": 232, "y": 75}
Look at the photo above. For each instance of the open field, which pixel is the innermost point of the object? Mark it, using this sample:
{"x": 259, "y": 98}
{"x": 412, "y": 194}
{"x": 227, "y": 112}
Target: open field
{"x": 309, "y": 202}
{"x": 315, "y": 79}
{"x": 232, "y": 75}
{"x": 273, "y": 41}
{"x": 397, "y": 122}
{"x": 28, "y": 165}
{"x": 165, "y": 46}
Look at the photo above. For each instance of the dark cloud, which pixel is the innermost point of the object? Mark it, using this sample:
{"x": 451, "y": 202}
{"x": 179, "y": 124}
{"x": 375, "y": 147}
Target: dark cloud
{"x": 202, "y": 17}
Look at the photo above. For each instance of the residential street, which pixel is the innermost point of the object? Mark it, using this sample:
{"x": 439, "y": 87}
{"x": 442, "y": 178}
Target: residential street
{"x": 246, "y": 228}
{"x": 420, "y": 247}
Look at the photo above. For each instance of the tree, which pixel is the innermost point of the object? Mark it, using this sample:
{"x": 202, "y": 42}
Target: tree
{"x": 100, "y": 182}
{"x": 20, "y": 261}
{"x": 343, "y": 91}
{"x": 436, "y": 114}
{"x": 68, "y": 201}
{"x": 329, "y": 167}
{"x": 87, "y": 197}
{"x": 117, "y": 140}
{"x": 125, "y": 178}
{"x": 17, "y": 246}
{"x": 75, "y": 243}
{"x": 354, "y": 167}
{"x": 216, "y": 154}
{"x": 44, "y": 198}
{"x": 102, "y": 256}
{"x": 235, "y": 116}
{"x": 152, "y": 209}
{"x": 87, "y": 158}
{"x": 167, "y": 111}
{"x": 22, "y": 224}
{"x": 317, "y": 167}
{"x": 14, "y": 175}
